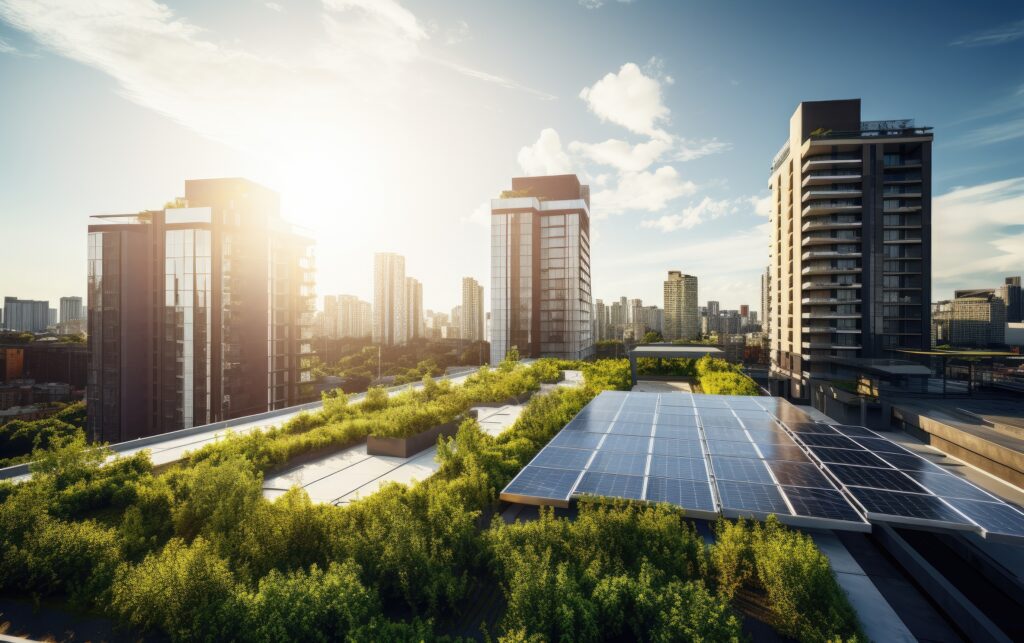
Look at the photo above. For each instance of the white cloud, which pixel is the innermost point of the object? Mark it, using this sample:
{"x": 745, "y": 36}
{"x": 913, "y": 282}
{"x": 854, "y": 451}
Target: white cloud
{"x": 7, "y": 48}
{"x": 480, "y": 216}
{"x": 273, "y": 6}
{"x": 649, "y": 191}
{"x": 690, "y": 150}
{"x": 457, "y": 33}
{"x": 620, "y": 154}
{"x": 546, "y": 156}
{"x": 991, "y": 37}
{"x": 597, "y": 4}
{"x": 629, "y": 98}
{"x": 762, "y": 205}
{"x": 976, "y": 235}
{"x": 707, "y": 209}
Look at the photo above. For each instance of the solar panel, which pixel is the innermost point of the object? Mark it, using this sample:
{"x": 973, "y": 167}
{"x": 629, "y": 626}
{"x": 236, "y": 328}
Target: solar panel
{"x": 847, "y": 456}
{"x": 577, "y": 439}
{"x": 727, "y": 435}
{"x": 890, "y": 479}
{"x": 761, "y": 423}
{"x": 738, "y": 449}
{"x": 636, "y": 418}
{"x": 827, "y": 504}
{"x": 624, "y": 463}
{"x": 676, "y": 420}
{"x": 910, "y": 462}
{"x": 677, "y": 432}
{"x": 813, "y": 428}
{"x": 948, "y": 486}
{"x": 743, "y": 499}
{"x": 589, "y": 424}
{"x": 628, "y": 428}
{"x": 559, "y": 458}
{"x": 833, "y": 441}
{"x": 544, "y": 483}
{"x": 783, "y": 452}
{"x": 740, "y": 469}
{"x": 609, "y": 484}
{"x": 678, "y": 468}
{"x": 908, "y": 508}
{"x": 881, "y": 445}
{"x": 720, "y": 422}
{"x": 996, "y": 518}
{"x": 853, "y": 431}
{"x": 693, "y": 496}
{"x": 626, "y": 443}
{"x": 800, "y": 474}
{"x": 680, "y": 400}
{"x": 679, "y": 448}
{"x": 771, "y": 437}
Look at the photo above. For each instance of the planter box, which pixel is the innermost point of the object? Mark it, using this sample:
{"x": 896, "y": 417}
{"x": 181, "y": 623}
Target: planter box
{"x": 408, "y": 447}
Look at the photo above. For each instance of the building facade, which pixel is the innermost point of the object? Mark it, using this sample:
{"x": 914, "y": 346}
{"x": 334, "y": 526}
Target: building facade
{"x": 413, "y": 308}
{"x": 472, "y": 310}
{"x": 681, "y": 320}
{"x": 26, "y": 315}
{"x": 972, "y": 321}
{"x": 850, "y": 245}
{"x": 355, "y": 317}
{"x": 197, "y": 314}
{"x": 389, "y": 316}
{"x": 540, "y": 269}
{"x": 1010, "y": 293}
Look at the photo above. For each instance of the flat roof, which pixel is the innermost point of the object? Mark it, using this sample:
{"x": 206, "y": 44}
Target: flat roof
{"x": 674, "y": 350}
{"x": 884, "y": 366}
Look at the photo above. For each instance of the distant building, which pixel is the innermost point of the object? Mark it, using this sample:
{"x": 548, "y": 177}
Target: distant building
{"x": 472, "y": 328}
{"x": 197, "y": 313}
{"x": 51, "y": 318}
{"x": 455, "y": 329}
{"x": 540, "y": 269}
{"x": 974, "y": 320}
{"x": 601, "y": 321}
{"x": 766, "y": 297}
{"x": 1010, "y": 293}
{"x": 355, "y": 317}
{"x": 413, "y": 308}
{"x": 389, "y": 316}
{"x": 26, "y": 315}
{"x": 680, "y": 313}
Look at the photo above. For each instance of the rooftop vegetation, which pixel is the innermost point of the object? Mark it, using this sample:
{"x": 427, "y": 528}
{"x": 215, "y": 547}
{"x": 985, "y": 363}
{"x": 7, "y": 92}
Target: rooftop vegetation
{"x": 197, "y": 552}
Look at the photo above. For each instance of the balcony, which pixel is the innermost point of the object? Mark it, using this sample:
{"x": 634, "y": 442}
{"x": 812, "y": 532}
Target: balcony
{"x": 826, "y": 301}
{"x": 818, "y": 208}
{"x": 829, "y": 254}
{"x": 829, "y": 225}
{"x": 833, "y": 193}
{"x": 826, "y": 285}
{"x": 830, "y": 315}
{"x": 828, "y": 270}
{"x": 901, "y": 208}
{"x": 828, "y": 330}
{"x": 832, "y": 161}
{"x": 829, "y": 346}
{"x": 827, "y": 241}
{"x": 825, "y": 177}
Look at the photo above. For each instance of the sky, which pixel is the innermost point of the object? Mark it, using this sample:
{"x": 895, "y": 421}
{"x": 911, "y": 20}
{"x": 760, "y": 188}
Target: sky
{"x": 388, "y": 125}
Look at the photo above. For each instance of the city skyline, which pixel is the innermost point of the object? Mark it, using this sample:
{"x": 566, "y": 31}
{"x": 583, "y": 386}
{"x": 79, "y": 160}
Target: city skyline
{"x": 677, "y": 171}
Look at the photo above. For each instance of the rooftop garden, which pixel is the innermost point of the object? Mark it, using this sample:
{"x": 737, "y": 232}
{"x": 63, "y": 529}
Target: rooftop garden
{"x": 197, "y": 553}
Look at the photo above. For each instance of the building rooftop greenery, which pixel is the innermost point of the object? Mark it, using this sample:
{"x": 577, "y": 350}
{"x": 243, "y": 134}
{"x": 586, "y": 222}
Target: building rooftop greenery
{"x": 196, "y": 552}
{"x": 18, "y": 438}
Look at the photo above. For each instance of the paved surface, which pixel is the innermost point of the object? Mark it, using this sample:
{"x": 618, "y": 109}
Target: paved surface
{"x": 660, "y": 386}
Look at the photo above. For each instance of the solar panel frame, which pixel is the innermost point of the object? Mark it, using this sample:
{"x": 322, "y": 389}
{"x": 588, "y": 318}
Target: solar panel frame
{"x": 631, "y": 464}
{"x": 533, "y": 484}
{"x": 999, "y": 521}
{"x": 931, "y": 511}
{"x": 610, "y": 485}
{"x": 829, "y": 455}
{"x": 742, "y": 499}
{"x": 874, "y": 478}
{"x": 834, "y": 441}
{"x": 563, "y": 458}
{"x": 666, "y": 466}
{"x": 799, "y": 474}
{"x": 699, "y": 493}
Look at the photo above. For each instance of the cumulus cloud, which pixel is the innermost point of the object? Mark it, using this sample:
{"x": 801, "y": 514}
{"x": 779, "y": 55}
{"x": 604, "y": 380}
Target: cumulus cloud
{"x": 629, "y": 98}
{"x": 690, "y": 150}
{"x": 620, "y": 154}
{"x": 273, "y": 6}
{"x": 706, "y": 210}
{"x": 545, "y": 156}
{"x": 762, "y": 205}
{"x": 481, "y": 215}
{"x": 649, "y": 191}
{"x": 977, "y": 235}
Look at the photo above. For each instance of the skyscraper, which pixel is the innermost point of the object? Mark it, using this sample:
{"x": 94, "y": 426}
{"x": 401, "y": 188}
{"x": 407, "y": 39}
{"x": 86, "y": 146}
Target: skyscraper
{"x": 355, "y": 317}
{"x": 680, "y": 317}
{"x": 540, "y": 269}
{"x": 413, "y": 308}
{"x": 973, "y": 320}
{"x": 71, "y": 309}
{"x": 389, "y": 317}
{"x": 26, "y": 315}
{"x": 766, "y": 297}
{"x": 601, "y": 318}
{"x": 197, "y": 313}
{"x": 850, "y": 242}
{"x": 472, "y": 310}
{"x": 1010, "y": 293}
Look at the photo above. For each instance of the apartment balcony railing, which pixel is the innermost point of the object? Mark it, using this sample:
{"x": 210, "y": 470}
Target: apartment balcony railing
{"x": 828, "y": 207}
{"x": 822, "y": 241}
{"x": 827, "y": 301}
{"x": 830, "y": 193}
{"x": 828, "y": 330}
{"x": 830, "y": 254}
{"x": 902, "y": 177}
{"x": 838, "y": 160}
{"x": 901, "y": 163}
{"x": 902, "y": 192}
{"x": 828, "y": 270}
{"x": 830, "y": 346}
{"x": 901, "y": 208}
{"x": 817, "y": 315}
{"x": 827, "y": 285}
{"x": 829, "y": 224}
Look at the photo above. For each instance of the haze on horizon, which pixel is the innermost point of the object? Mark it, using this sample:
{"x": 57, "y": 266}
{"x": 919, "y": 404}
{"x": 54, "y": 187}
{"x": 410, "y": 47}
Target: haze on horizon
{"x": 388, "y": 126}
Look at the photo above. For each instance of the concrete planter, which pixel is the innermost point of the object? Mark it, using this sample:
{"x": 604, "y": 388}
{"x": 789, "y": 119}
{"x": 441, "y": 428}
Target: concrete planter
{"x": 410, "y": 446}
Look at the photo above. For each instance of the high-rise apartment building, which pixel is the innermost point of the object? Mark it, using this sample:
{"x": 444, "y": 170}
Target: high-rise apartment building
{"x": 389, "y": 316}
{"x": 540, "y": 269}
{"x": 1010, "y": 293}
{"x": 850, "y": 242}
{"x": 197, "y": 313}
{"x": 601, "y": 321}
{"x": 355, "y": 317}
{"x": 71, "y": 309}
{"x": 766, "y": 298}
{"x": 413, "y": 308}
{"x": 974, "y": 320}
{"x": 472, "y": 310}
{"x": 26, "y": 315}
{"x": 680, "y": 317}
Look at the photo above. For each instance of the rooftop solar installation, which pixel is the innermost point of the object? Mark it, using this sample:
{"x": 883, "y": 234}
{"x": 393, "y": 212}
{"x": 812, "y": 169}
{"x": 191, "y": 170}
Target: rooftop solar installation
{"x": 739, "y": 456}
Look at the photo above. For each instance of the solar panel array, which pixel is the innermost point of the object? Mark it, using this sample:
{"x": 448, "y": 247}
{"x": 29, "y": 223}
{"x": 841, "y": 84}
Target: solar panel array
{"x": 739, "y": 456}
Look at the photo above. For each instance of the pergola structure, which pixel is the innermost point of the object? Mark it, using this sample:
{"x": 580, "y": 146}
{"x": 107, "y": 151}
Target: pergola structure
{"x": 669, "y": 351}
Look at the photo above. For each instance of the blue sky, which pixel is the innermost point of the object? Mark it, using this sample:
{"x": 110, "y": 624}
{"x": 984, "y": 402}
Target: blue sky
{"x": 388, "y": 125}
